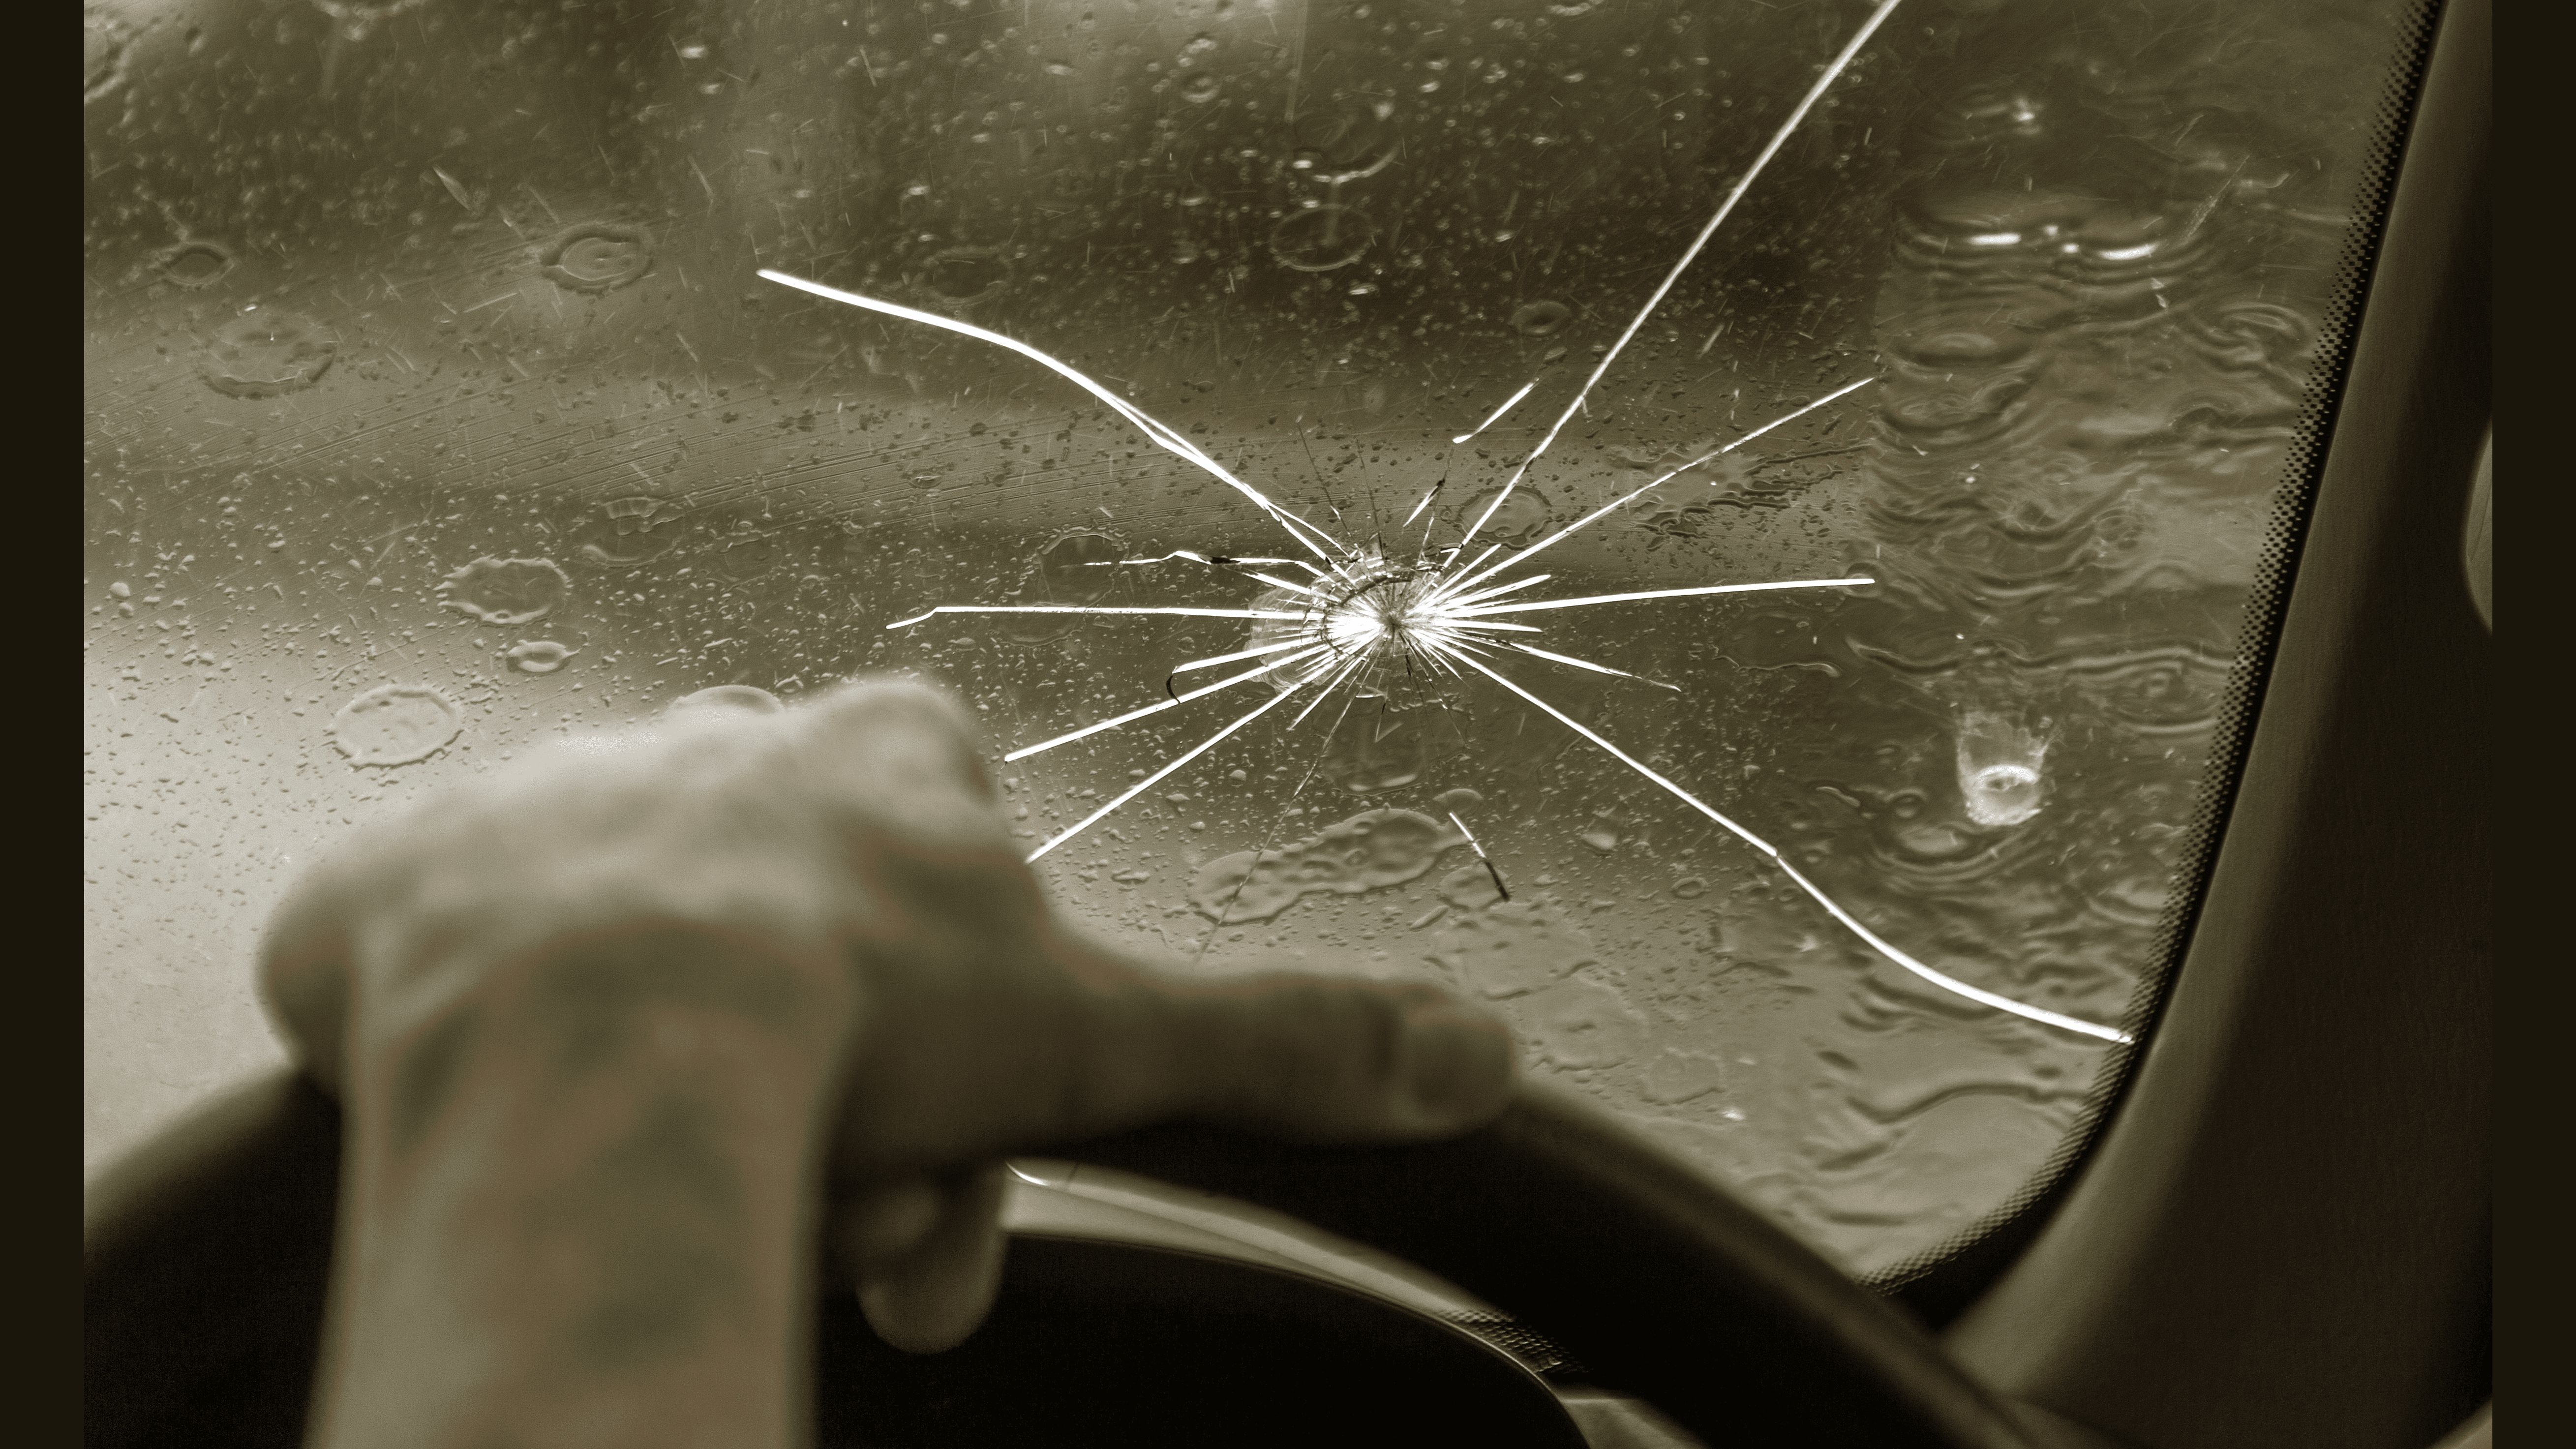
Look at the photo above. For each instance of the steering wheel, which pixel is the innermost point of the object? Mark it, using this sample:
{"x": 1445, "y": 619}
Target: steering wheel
{"x": 1665, "y": 1286}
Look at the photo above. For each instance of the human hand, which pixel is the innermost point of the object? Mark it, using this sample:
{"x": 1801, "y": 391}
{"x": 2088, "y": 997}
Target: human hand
{"x": 625, "y": 1034}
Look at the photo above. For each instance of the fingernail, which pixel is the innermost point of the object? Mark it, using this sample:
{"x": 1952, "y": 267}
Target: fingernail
{"x": 1457, "y": 1064}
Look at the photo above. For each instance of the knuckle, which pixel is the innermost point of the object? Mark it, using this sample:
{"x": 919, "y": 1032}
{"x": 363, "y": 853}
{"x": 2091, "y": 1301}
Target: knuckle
{"x": 900, "y": 757}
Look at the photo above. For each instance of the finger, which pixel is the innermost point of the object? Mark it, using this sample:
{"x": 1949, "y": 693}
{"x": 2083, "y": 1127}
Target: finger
{"x": 1298, "y": 1055}
{"x": 904, "y": 754}
{"x": 928, "y": 1295}
{"x": 305, "y": 963}
{"x": 1327, "y": 1059}
{"x": 880, "y": 1227}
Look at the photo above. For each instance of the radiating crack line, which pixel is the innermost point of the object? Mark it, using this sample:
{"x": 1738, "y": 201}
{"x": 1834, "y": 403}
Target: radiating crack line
{"x": 1196, "y": 557}
{"x": 1091, "y": 609}
{"x": 1201, "y": 748}
{"x": 1779, "y": 138}
{"x": 1875, "y": 941}
{"x": 1844, "y": 391}
{"x": 1161, "y": 435}
{"x": 1432, "y": 492}
{"x": 2000, "y": 1003}
{"x": 1491, "y": 549}
{"x": 1478, "y": 846}
{"x": 1588, "y": 664}
{"x": 1294, "y": 588}
{"x": 1271, "y": 831}
{"x": 1253, "y": 653}
{"x": 1482, "y": 610}
{"x": 1496, "y": 415}
{"x": 1158, "y": 706}
{"x": 1358, "y": 658}
{"x": 1468, "y": 600}
{"x": 1468, "y": 578}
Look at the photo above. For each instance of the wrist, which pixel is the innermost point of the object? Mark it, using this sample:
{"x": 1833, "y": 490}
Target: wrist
{"x": 579, "y": 1206}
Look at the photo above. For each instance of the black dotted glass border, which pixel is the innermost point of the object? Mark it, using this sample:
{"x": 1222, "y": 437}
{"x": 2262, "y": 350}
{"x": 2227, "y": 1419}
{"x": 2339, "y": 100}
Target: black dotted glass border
{"x": 1939, "y": 1283}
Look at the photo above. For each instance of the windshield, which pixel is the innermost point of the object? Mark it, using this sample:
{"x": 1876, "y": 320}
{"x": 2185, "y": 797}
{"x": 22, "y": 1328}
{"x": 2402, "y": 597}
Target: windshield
{"x": 1719, "y": 529}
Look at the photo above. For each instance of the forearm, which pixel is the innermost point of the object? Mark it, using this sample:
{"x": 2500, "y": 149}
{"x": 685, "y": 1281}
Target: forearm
{"x": 581, "y": 1211}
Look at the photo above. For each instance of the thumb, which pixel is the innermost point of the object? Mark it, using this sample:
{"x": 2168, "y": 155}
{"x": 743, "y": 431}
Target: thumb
{"x": 927, "y": 1256}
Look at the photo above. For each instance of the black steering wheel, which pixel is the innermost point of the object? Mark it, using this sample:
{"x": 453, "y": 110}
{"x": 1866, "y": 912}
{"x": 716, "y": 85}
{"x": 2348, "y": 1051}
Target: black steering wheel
{"x": 205, "y": 1256}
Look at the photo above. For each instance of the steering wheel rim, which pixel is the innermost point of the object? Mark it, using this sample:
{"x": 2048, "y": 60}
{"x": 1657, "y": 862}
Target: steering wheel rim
{"x": 1662, "y": 1283}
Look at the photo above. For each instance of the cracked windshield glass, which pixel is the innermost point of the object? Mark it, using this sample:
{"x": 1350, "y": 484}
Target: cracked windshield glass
{"x": 1716, "y": 528}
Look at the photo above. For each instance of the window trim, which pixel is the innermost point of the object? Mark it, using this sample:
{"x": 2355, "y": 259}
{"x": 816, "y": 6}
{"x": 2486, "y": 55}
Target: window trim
{"x": 2287, "y": 1214}
{"x": 1940, "y": 1284}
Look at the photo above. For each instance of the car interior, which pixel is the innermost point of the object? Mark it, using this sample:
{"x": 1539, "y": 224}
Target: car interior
{"x": 1990, "y": 874}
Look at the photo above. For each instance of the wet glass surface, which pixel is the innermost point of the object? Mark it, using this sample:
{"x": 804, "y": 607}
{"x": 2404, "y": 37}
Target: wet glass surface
{"x": 436, "y": 408}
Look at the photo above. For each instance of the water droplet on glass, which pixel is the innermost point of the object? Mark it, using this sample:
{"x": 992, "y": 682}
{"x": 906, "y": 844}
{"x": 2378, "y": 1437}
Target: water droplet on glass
{"x": 1342, "y": 143}
{"x": 538, "y": 656}
{"x": 694, "y": 50}
{"x": 597, "y": 256}
{"x": 1677, "y": 1075}
{"x": 1321, "y": 238}
{"x": 1999, "y": 769}
{"x": 1965, "y": 348}
{"x": 2169, "y": 693}
{"x": 1540, "y": 318}
{"x": 966, "y": 275}
{"x": 1469, "y": 887}
{"x": 263, "y": 354}
{"x": 1201, "y": 89}
{"x": 1690, "y": 888}
{"x": 1387, "y": 746}
{"x": 1583, "y": 1024}
{"x": 628, "y": 534}
{"x": 194, "y": 264}
{"x": 395, "y": 724}
{"x": 506, "y": 590}
{"x": 745, "y": 556}
{"x": 729, "y": 697}
{"x": 1370, "y": 850}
